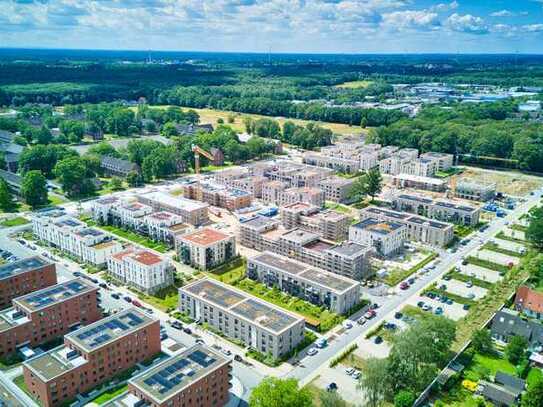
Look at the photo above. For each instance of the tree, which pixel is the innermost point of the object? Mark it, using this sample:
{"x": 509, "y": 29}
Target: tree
{"x": 116, "y": 183}
{"x": 534, "y": 233}
{"x": 73, "y": 176}
{"x": 358, "y": 190}
{"x": 482, "y": 341}
{"x": 374, "y": 182}
{"x": 6, "y": 199}
{"x": 374, "y": 381}
{"x": 43, "y": 158}
{"x": 516, "y": 349}
{"x": 103, "y": 148}
{"x": 134, "y": 179}
{"x": 331, "y": 399}
{"x": 34, "y": 189}
{"x": 404, "y": 399}
{"x": 44, "y": 136}
{"x": 274, "y": 392}
{"x": 169, "y": 130}
{"x": 534, "y": 396}
{"x": 249, "y": 124}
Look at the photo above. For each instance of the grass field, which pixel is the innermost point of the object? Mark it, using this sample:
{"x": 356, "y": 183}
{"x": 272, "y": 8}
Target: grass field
{"x": 212, "y": 115}
{"x": 508, "y": 182}
{"x": 18, "y": 221}
{"x": 110, "y": 394}
{"x": 354, "y": 84}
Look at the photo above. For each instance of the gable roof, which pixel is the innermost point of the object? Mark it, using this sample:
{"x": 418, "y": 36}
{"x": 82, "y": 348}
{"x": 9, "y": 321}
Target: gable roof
{"x": 497, "y": 393}
{"x": 123, "y": 165}
{"x": 527, "y": 298}
{"x": 511, "y": 383}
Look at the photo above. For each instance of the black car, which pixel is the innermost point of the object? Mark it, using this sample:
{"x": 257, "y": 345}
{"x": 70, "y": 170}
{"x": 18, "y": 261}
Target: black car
{"x": 331, "y": 387}
{"x": 374, "y": 306}
{"x": 78, "y": 273}
{"x": 238, "y": 358}
{"x": 103, "y": 285}
{"x": 163, "y": 335}
{"x": 378, "y": 340}
{"x": 177, "y": 325}
{"x": 115, "y": 295}
{"x": 127, "y": 299}
{"x": 187, "y": 330}
{"x": 95, "y": 281}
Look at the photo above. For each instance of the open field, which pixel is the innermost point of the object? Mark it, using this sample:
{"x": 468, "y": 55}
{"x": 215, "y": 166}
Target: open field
{"x": 212, "y": 115}
{"x": 354, "y": 84}
{"x": 508, "y": 182}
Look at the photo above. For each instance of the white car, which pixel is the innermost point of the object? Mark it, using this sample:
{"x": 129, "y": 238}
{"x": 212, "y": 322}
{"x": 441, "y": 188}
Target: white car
{"x": 356, "y": 375}
{"x": 349, "y": 371}
{"x": 347, "y": 324}
{"x": 312, "y": 352}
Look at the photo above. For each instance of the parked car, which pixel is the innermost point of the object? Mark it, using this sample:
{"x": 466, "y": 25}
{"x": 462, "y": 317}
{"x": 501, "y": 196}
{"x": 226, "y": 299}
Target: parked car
{"x": 426, "y": 307}
{"x": 466, "y": 307}
{"x": 163, "y": 335}
{"x": 312, "y": 352}
{"x": 331, "y": 387}
{"x": 404, "y": 285}
{"x": 349, "y": 370}
{"x": 438, "y": 311}
{"x": 238, "y": 358}
{"x": 136, "y": 303}
{"x": 127, "y": 298}
{"x": 187, "y": 330}
{"x": 469, "y": 284}
{"x": 321, "y": 343}
{"x": 103, "y": 285}
{"x": 347, "y": 324}
{"x": 200, "y": 341}
{"x": 115, "y": 295}
{"x": 411, "y": 280}
{"x": 370, "y": 314}
{"x": 378, "y": 340}
{"x": 356, "y": 375}
{"x": 420, "y": 304}
{"x": 77, "y": 273}
{"x": 227, "y": 352}
{"x": 177, "y": 325}
{"x": 374, "y": 306}
{"x": 361, "y": 321}
{"x": 398, "y": 315}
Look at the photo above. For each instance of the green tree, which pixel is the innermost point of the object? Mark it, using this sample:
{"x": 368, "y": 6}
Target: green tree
{"x": 534, "y": 233}
{"x": 34, "y": 188}
{"x": 44, "y": 136}
{"x": 116, "y": 183}
{"x": 169, "y": 130}
{"x": 534, "y": 396}
{"x": 374, "y": 182}
{"x": 7, "y": 203}
{"x": 374, "y": 381}
{"x": 516, "y": 349}
{"x": 134, "y": 179}
{"x": 331, "y": 399}
{"x": 249, "y": 124}
{"x": 358, "y": 190}
{"x": 404, "y": 398}
{"x": 103, "y": 148}
{"x": 274, "y": 392}
{"x": 482, "y": 341}
{"x": 74, "y": 178}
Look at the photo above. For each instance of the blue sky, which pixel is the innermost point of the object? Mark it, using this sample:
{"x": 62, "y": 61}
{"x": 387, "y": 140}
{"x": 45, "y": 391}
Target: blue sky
{"x": 331, "y": 26}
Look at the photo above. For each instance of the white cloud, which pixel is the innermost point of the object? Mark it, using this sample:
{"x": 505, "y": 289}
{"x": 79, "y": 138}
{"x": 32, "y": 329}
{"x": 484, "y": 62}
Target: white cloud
{"x": 467, "y": 24}
{"x": 411, "y": 19}
{"x": 502, "y": 13}
{"x": 441, "y": 7}
{"x": 533, "y": 28}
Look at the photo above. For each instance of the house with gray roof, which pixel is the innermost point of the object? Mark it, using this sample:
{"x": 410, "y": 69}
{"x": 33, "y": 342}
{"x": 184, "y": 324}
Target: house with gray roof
{"x": 117, "y": 166}
{"x": 508, "y": 323}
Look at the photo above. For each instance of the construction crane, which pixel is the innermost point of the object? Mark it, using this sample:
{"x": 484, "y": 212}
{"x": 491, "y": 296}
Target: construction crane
{"x": 197, "y": 152}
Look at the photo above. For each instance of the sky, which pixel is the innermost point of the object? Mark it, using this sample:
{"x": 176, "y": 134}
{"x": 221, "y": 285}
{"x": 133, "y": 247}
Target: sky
{"x": 314, "y": 26}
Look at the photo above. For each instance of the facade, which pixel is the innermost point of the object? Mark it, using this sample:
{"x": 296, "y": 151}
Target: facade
{"x": 345, "y": 157}
{"x": 339, "y": 164}
{"x": 415, "y": 181}
{"x": 446, "y": 211}
{"x": 192, "y": 212}
{"x": 217, "y": 195}
{"x": 206, "y": 248}
{"x": 142, "y": 269}
{"x": 385, "y": 237}
{"x": 91, "y": 356}
{"x": 338, "y": 294}
{"x": 117, "y": 166}
{"x": 13, "y": 181}
{"x": 24, "y": 276}
{"x": 90, "y": 245}
{"x": 197, "y": 377}
{"x": 474, "y": 191}
{"x": 329, "y": 224}
{"x": 421, "y": 167}
{"x": 130, "y": 214}
{"x": 239, "y": 316}
{"x": 529, "y": 302}
{"x": 294, "y": 175}
{"x": 310, "y": 195}
{"x": 348, "y": 259}
{"x": 419, "y": 229}
{"x": 444, "y": 160}
{"x": 336, "y": 189}
{"x": 165, "y": 227}
{"x": 392, "y": 164}
{"x": 46, "y": 314}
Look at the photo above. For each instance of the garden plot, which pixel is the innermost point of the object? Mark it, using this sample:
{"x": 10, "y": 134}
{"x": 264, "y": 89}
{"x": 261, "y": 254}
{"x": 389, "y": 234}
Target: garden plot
{"x": 498, "y": 258}
{"x": 481, "y": 273}
{"x": 461, "y": 289}
{"x": 454, "y": 311}
{"x": 509, "y": 245}
{"x": 517, "y": 234}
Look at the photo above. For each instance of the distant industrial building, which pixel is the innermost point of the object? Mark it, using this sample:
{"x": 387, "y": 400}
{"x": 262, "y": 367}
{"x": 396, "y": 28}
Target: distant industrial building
{"x": 206, "y": 248}
{"x": 239, "y": 316}
{"x": 385, "y": 237}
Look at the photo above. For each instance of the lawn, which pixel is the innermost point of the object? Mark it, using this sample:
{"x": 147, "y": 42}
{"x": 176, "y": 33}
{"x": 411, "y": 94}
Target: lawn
{"x": 488, "y": 264}
{"x": 534, "y": 375}
{"x": 355, "y": 84}
{"x": 495, "y": 248}
{"x": 110, "y": 394}
{"x": 20, "y": 382}
{"x": 398, "y": 275}
{"x": 18, "y": 221}
{"x": 230, "y": 273}
{"x": 338, "y": 207}
{"x": 136, "y": 238}
{"x": 487, "y": 365}
{"x": 462, "y": 231}
{"x": 465, "y": 278}
{"x": 55, "y": 199}
{"x": 503, "y": 236}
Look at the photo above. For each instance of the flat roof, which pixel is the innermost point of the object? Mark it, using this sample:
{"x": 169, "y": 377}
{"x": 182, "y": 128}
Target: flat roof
{"x": 89, "y": 232}
{"x": 243, "y": 305}
{"x": 174, "y": 201}
{"x": 300, "y": 236}
{"x": 416, "y": 198}
{"x": 145, "y": 257}
{"x": 109, "y": 329}
{"x": 54, "y": 363}
{"x": 378, "y": 226}
{"x": 176, "y": 373}
{"x": 54, "y": 294}
{"x": 451, "y": 205}
{"x": 280, "y": 262}
{"x": 330, "y": 280}
{"x": 22, "y": 266}
{"x": 69, "y": 222}
{"x": 259, "y": 221}
{"x": 349, "y": 249}
{"x": 205, "y": 236}
{"x": 319, "y": 245}
{"x": 418, "y": 178}
{"x": 393, "y": 214}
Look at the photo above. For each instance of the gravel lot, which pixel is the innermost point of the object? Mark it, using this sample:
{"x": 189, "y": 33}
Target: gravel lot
{"x": 498, "y": 258}
{"x": 509, "y": 245}
{"x": 481, "y": 273}
{"x": 460, "y": 288}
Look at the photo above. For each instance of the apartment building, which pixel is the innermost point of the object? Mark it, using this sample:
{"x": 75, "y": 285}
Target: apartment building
{"x": 46, "y": 314}
{"x": 385, "y": 237}
{"x": 336, "y": 189}
{"x": 310, "y": 195}
{"x": 90, "y": 245}
{"x": 165, "y": 227}
{"x": 336, "y": 163}
{"x": 329, "y": 224}
{"x": 240, "y": 316}
{"x": 418, "y": 182}
{"x": 338, "y": 294}
{"x": 192, "y": 212}
{"x": 141, "y": 269}
{"x": 293, "y": 174}
{"x": 117, "y": 166}
{"x": 392, "y": 164}
{"x": 217, "y": 195}
{"x": 348, "y": 258}
{"x": 104, "y": 209}
{"x": 444, "y": 161}
{"x": 206, "y": 248}
{"x": 419, "y": 229}
{"x": 474, "y": 191}
{"x": 243, "y": 181}
{"x": 24, "y": 276}
{"x": 422, "y": 167}
{"x": 91, "y": 356}
{"x": 446, "y": 211}
{"x": 198, "y": 376}
{"x": 345, "y": 157}
{"x": 131, "y": 213}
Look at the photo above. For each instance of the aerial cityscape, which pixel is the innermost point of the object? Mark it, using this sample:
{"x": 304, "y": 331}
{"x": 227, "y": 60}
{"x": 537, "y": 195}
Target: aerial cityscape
{"x": 271, "y": 203}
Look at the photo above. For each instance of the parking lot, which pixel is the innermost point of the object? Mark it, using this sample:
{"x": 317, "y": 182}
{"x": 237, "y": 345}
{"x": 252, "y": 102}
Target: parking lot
{"x": 346, "y": 383}
{"x": 454, "y": 311}
{"x": 460, "y": 288}
{"x": 498, "y": 258}
{"x": 480, "y": 273}
{"x": 517, "y": 234}
{"x": 509, "y": 245}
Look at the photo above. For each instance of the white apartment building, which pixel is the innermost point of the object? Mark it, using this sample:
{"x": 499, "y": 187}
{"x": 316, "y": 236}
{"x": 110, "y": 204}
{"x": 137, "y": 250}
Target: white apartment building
{"x": 385, "y": 237}
{"x": 130, "y": 214}
{"x": 165, "y": 226}
{"x": 422, "y": 167}
{"x": 392, "y": 164}
{"x": 141, "y": 269}
{"x": 444, "y": 160}
{"x": 192, "y": 212}
{"x": 206, "y": 248}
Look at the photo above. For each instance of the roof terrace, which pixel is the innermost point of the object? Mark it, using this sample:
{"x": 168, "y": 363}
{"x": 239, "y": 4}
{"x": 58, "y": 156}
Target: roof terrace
{"x": 377, "y": 226}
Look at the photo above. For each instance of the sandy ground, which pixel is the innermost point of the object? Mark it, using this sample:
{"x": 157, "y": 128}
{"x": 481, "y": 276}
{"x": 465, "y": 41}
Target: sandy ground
{"x": 510, "y": 183}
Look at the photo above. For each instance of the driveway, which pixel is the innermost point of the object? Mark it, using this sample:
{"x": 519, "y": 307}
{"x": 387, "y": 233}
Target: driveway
{"x": 460, "y": 288}
{"x": 481, "y": 273}
{"x": 346, "y": 384}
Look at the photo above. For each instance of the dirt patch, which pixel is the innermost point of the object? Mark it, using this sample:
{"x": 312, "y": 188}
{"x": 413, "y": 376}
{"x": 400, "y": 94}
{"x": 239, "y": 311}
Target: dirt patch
{"x": 510, "y": 183}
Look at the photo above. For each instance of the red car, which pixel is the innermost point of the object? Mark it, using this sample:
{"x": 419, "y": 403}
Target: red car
{"x": 404, "y": 285}
{"x": 136, "y": 303}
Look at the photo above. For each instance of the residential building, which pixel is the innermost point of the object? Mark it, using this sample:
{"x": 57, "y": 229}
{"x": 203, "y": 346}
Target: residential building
{"x": 192, "y": 212}
{"x": 446, "y": 211}
{"x": 89, "y": 245}
{"x": 141, "y": 269}
{"x": 310, "y": 195}
{"x": 272, "y": 190}
{"x": 505, "y": 390}
{"x": 336, "y": 189}
{"x": 104, "y": 209}
{"x": 191, "y": 129}
{"x": 217, "y": 195}
{"x": 422, "y": 167}
{"x": 529, "y": 302}
{"x": 24, "y": 276}
{"x": 475, "y": 191}
{"x": 131, "y": 214}
{"x": 345, "y": 157}
{"x": 92, "y": 355}
{"x": 337, "y": 293}
{"x": 293, "y": 174}
{"x": 339, "y": 164}
{"x": 419, "y": 229}
{"x": 198, "y": 376}
{"x": 206, "y": 248}
{"x": 393, "y": 163}
{"x": 418, "y": 182}
{"x": 240, "y": 316}
{"x": 507, "y": 323}
{"x": 46, "y": 314}
{"x": 444, "y": 161}
{"x": 117, "y": 166}
{"x": 348, "y": 258}
{"x": 10, "y": 150}
{"x": 329, "y": 224}
{"x": 385, "y": 237}
{"x": 13, "y": 181}
{"x": 165, "y": 227}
